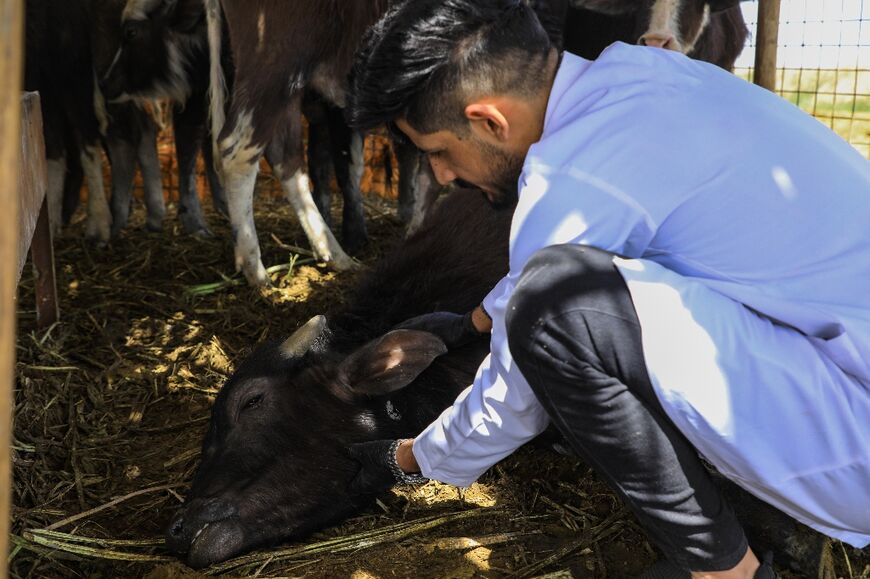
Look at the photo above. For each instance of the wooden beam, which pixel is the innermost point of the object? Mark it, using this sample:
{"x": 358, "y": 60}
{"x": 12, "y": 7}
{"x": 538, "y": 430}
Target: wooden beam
{"x": 766, "y": 42}
{"x": 32, "y": 174}
{"x": 11, "y": 49}
{"x": 34, "y": 231}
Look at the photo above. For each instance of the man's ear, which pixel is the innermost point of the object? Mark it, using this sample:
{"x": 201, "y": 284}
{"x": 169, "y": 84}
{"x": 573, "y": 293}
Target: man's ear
{"x": 488, "y": 121}
{"x": 390, "y": 362}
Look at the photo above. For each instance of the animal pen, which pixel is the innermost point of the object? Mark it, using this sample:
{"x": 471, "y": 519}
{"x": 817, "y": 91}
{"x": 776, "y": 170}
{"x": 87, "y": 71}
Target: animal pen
{"x": 111, "y": 402}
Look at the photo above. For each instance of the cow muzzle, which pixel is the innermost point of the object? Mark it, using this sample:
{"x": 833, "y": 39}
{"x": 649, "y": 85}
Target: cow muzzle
{"x": 206, "y": 531}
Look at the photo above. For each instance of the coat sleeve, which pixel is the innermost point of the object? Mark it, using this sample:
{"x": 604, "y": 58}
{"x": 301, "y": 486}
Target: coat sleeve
{"x": 499, "y": 412}
{"x": 490, "y": 419}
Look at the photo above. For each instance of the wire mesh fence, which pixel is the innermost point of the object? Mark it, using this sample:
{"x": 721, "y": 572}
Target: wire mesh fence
{"x": 823, "y": 62}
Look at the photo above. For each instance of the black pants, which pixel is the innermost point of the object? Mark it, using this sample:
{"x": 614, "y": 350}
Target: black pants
{"x": 574, "y": 334}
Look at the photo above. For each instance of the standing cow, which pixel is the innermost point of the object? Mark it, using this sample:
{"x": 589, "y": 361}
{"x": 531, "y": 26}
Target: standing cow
{"x": 59, "y": 66}
{"x": 65, "y": 41}
{"x": 710, "y": 30}
{"x": 278, "y": 51}
{"x": 163, "y": 54}
{"x": 131, "y": 131}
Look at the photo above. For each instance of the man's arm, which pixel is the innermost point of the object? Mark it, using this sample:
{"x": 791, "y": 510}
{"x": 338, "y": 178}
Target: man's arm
{"x": 455, "y": 330}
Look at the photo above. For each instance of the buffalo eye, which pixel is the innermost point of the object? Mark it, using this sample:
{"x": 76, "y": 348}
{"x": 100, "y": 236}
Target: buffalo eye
{"x": 130, "y": 33}
{"x": 252, "y": 402}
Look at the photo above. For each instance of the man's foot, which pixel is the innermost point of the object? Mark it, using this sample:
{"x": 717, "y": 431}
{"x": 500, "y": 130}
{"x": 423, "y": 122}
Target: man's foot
{"x": 666, "y": 570}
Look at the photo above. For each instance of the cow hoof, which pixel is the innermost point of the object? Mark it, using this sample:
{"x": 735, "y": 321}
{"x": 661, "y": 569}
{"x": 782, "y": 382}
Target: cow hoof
{"x": 100, "y": 232}
{"x": 342, "y": 262}
{"x": 194, "y": 225}
{"x": 256, "y": 275}
{"x": 354, "y": 244}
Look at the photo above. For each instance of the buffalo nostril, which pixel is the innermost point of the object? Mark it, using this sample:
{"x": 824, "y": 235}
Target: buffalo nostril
{"x": 177, "y": 527}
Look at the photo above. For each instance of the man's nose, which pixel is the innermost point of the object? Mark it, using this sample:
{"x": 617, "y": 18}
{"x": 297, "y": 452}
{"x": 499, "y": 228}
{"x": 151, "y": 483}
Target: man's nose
{"x": 442, "y": 172}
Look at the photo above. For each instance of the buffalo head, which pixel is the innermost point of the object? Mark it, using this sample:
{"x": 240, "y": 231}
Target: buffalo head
{"x": 274, "y": 461}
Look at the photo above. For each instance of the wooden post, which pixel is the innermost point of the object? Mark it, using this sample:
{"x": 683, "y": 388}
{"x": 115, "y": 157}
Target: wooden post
{"x": 766, "y": 41}
{"x": 11, "y": 50}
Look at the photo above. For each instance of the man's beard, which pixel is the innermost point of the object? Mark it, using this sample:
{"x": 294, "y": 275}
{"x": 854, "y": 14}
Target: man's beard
{"x": 504, "y": 176}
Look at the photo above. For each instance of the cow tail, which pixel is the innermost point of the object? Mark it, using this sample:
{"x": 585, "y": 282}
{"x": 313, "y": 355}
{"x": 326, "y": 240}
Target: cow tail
{"x": 217, "y": 83}
{"x": 100, "y": 110}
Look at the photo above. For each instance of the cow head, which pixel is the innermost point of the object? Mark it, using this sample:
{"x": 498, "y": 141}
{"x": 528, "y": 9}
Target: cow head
{"x": 159, "y": 40}
{"x": 671, "y": 24}
{"x": 274, "y": 462}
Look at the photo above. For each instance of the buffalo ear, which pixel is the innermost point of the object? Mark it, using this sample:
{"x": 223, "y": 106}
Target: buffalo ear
{"x": 390, "y": 362}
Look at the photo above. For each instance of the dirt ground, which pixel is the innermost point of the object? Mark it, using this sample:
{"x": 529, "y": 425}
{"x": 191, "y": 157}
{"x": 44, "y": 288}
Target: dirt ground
{"x": 112, "y": 404}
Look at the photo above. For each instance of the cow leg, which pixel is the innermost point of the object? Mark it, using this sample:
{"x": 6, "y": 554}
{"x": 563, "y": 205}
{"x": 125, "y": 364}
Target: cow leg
{"x": 240, "y": 164}
{"x": 149, "y": 165}
{"x": 122, "y": 157}
{"x": 189, "y": 132}
{"x": 218, "y": 195}
{"x": 320, "y": 165}
{"x": 286, "y": 157}
{"x": 99, "y": 222}
{"x": 348, "y": 158}
{"x": 418, "y": 189}
{"x": 428, "y": 190}
{"x": 56, "y": 169}
{"x": 409, "y": 166}
{"x": 72, "y": 188}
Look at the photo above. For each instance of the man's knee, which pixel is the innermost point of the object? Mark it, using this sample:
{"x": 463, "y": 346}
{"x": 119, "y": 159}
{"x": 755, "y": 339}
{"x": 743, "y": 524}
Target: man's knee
{"x": 555, "y": 279}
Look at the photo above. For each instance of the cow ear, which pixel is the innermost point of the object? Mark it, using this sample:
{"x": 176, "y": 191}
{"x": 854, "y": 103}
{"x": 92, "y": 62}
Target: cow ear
{"x": 305, "y": 338}
{"x": 390, "y": 362}
{"x": 183, "y": 14}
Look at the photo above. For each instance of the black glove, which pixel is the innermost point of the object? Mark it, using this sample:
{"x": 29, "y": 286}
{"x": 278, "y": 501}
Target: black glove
{"x": 455, "y": 330}
{"x": 378, "y": 468}
{"x": 374, "y": 475}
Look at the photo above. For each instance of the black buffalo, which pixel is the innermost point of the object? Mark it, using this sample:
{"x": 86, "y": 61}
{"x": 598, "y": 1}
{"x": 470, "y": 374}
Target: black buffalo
{"x": 274, "y": 462}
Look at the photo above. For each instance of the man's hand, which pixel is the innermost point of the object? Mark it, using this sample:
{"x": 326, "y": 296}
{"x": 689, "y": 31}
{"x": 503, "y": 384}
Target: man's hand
{"x": 455, "y": 330}
{"x": 379, "y": 466}
{"x": 374, "y": 475}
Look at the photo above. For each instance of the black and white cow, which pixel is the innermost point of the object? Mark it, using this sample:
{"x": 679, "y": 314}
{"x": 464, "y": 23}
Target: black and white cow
{"x": 166, "y": 52}
{"x": 711, "y": 30}
{"x": 162, "y": 53}
{"x": 58, "y": 65}
{"x": 65, "y": 41}
{"x": 274, "y": 463}
{"x": 280, "y": 50}
{"x": 131, "y": 130}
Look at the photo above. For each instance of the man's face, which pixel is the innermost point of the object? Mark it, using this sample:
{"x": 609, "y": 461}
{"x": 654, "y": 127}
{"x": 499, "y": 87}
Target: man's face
{"x": 470, "y": 159}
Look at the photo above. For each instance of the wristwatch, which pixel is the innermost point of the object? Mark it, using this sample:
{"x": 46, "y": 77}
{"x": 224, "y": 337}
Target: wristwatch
{"x": 402, "y": 476}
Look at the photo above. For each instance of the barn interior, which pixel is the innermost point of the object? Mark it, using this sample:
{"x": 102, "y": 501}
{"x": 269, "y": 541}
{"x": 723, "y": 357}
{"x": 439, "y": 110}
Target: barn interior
{"x": 111, "y": 404}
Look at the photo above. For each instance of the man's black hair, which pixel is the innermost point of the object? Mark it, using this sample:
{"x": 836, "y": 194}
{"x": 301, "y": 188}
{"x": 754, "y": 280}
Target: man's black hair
{"x": 425, "y": 59}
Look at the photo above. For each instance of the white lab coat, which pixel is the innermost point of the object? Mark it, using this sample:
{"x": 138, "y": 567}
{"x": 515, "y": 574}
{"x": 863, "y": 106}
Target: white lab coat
{"x": 727, "y": 202}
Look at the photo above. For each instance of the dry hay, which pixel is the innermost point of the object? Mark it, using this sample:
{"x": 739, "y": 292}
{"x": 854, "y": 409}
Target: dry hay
{"x": 112, "y": 404}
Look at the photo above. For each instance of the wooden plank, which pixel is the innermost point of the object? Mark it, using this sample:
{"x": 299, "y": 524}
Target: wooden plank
{"x": 32, "y": 176}
{"x": 41, "y": 250}
{"x": 766, "y": 42}
{"x": 35, "y": 232}
{"x": 10, "y": 117}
